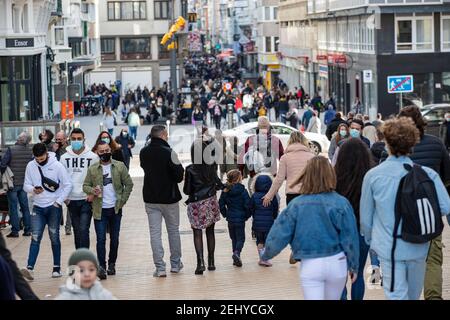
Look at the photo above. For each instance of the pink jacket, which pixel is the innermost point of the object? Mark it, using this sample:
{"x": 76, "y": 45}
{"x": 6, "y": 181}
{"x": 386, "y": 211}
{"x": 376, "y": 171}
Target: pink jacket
{"x": 291, "y": 166}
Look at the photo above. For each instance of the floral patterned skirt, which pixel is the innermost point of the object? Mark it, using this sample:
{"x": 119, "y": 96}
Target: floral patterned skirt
{"x": 204, "y": 213}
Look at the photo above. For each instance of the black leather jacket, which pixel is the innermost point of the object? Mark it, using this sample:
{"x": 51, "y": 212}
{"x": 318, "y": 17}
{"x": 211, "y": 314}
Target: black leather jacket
{"x": 197, "y": 188}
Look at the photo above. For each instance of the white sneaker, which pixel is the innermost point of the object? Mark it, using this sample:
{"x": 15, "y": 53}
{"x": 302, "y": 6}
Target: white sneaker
{"x": 56, "y": 274}
{"x": 375, "y": 278}
{"x": 27, "y": 274}
{"x": 160, "y": 274}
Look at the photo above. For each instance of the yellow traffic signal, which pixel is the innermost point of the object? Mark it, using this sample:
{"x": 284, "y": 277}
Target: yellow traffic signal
{"x": 172, "y": 46}
{"x": 166, "y": 38}
{"x": 180, "y": 23}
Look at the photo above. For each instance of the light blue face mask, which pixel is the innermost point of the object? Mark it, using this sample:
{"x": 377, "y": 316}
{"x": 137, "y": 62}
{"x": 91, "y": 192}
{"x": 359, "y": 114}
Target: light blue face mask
{"x": 343, "y": 133}
{"x": 354, "y": 133}
{"x": 106, "y": 140}
{"x": 77, "y": 145}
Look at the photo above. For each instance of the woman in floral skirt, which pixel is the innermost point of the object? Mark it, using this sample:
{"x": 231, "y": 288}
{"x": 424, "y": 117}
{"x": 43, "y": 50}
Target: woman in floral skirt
{"x": 201, "y": 184}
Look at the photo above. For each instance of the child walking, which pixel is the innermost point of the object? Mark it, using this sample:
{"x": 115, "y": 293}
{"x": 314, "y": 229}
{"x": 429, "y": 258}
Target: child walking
{"x": 84, "y": 285}
{"x": 234, "y": 202}
{"x": 263, "y": 217}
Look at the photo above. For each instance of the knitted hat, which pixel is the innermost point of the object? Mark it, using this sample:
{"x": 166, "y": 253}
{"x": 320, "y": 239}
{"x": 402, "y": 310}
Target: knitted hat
{"x": 263, "y": 123}
{"x": 83, "y": 254}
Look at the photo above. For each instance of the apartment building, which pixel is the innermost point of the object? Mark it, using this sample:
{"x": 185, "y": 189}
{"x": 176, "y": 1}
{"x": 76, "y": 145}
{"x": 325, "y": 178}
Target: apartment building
{"x": 130, "y": 35}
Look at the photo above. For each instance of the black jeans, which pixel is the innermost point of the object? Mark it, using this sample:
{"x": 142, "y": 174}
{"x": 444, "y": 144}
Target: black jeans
{"x": 81, "y": 215}
{"x": 290, "y": 197}
{"x": 237, "y": 235}
{"x": 261, "y": 237}
{"x": 111, "y": 219}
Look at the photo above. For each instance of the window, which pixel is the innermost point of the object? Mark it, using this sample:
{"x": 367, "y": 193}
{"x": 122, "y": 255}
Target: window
{"x": 161, "y": 9}
{"x": 135, "y": 45}
{"x": 127, "y": 10}
{"x": 276, "y": 42}
{"x": 445, "y": 32}
{"x": 59, "y": 36}
{"x": 275, "y": 13}
{"x": 108, "y": 45}
{"x": 164, "y": 53}
{"x": 267, "y": 13}
{"x": 268, "y": 44}
{"x": 414, "y": 33}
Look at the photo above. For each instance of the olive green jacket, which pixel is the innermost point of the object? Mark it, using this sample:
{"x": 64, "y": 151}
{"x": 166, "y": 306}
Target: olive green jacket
{"x": 123, "y": 185}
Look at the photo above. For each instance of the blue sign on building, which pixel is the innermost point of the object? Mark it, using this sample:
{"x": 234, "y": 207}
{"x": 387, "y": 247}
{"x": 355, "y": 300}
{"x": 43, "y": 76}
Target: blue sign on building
{"x": 400, "y": 84}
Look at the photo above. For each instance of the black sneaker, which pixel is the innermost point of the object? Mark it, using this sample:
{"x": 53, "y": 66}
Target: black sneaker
{"x": 111, "y": 269}
{"x": 237, "y": 261}
{"x": 102, "y": 274}
{"x": 12, "y": 235}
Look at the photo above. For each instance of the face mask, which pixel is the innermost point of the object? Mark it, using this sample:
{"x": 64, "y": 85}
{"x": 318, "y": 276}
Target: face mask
{"x": 354, "y": 133}
{"x": 106, "y": 140}
{"x": 124, "y": 134}
{"x": 448, "y": 119}
{"x": 343, "y": 133}
{"x": 106, "y": 157}
{"x": 76, "y": 145}
{"x": 43, "y": 163}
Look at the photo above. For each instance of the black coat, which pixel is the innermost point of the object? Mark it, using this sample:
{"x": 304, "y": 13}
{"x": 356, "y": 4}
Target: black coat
{"x": 197, "y": 187}
{"x": 431, "y": 152}
{"x": 162, "y": 175}
{"x": 22, "y": 287}
{"x": 333, "y": 126}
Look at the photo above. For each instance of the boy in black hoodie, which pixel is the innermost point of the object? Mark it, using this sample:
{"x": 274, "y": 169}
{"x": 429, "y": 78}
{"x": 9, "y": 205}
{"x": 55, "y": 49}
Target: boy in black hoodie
{"x": 234, "y": 203}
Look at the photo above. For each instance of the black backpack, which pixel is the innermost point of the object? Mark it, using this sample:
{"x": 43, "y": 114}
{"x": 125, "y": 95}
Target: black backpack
{"x": 417, "y": 207}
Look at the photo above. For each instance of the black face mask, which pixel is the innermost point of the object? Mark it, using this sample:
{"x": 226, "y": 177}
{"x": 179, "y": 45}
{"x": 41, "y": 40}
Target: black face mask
{"x": 43, "y": 163}
{"x": 106, "y": 157}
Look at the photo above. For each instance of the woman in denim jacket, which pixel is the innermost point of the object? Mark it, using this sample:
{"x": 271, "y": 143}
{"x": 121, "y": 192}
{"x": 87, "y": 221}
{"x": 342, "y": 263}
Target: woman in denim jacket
{"x": 321, "y": 228}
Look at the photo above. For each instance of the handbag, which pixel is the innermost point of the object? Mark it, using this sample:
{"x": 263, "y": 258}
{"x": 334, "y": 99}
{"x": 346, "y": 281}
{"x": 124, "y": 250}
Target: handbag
{"x": 47, "y": 183}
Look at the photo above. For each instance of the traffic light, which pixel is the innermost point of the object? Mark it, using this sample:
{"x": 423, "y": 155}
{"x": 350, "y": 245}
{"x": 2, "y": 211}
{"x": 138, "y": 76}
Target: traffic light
{"x": 166, "y": 38}
{"x": 177, "y": 26}
{"x": 172, "y": 46}
{"x": 180, "y": 23}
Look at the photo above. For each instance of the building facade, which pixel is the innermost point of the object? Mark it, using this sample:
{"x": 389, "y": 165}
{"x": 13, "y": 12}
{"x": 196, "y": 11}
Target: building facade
{"x": 130, "y": 35}
{"x": 361, "y": 43}
{"x": 23, "y": 59}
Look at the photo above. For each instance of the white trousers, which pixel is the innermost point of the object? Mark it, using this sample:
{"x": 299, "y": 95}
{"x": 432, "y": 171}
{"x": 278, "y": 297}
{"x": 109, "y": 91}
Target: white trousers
{"x": 324, "y": 278}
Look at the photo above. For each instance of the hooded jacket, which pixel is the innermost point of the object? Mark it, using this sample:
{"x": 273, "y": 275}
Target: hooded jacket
{"x": 97, "y": 292}
{"x": 263, "y": 217}
{"x": 51, "y": 170}
{"x": 234, "y": 204}
{"x": 77, "y": 166}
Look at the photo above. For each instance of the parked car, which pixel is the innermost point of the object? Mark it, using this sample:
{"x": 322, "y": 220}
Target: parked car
{"x": 435, "y": 115}
{"x": 319, "y": 142}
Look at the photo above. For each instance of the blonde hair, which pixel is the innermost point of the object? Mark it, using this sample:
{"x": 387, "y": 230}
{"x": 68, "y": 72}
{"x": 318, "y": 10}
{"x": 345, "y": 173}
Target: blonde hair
{"x": 317, "y": 177}
{"x": 298, "y": 137}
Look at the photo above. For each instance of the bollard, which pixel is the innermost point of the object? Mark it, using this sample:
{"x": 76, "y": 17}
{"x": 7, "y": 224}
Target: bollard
{"x": 230, "y": 116}
{"x": 168, "y": 128}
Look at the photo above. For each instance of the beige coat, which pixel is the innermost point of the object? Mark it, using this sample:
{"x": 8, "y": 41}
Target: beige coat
{"x": 291, "y": 166}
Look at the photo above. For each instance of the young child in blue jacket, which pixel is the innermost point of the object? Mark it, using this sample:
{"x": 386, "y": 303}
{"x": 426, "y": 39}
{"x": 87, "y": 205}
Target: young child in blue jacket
{"x": 263, "y": 217}
{"x": 234, "y": 202}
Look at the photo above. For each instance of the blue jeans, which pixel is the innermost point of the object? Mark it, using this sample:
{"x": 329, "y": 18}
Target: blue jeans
{"x": 81, "y": 215}
{"x": 237, "y": 235}
{"x": 409, "y": 279}
{"x": 18, "y": 197}
{"x": 358, "y": 288}
{"x": 41, "y": 217}
{"x": 133, "y": 132}
{"x": 374, "y": 261}
{"x": 111, "y": 219}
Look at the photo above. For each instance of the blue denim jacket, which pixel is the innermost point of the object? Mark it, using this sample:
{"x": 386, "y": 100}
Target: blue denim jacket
{"x": 316, "y": 226}
{"x": 377, "y": 205}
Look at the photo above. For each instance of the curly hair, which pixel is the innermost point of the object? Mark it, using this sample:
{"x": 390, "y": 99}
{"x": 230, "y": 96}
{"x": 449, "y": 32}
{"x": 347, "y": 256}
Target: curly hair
{"x": 401, "y": 135}
{"x": 414, "y": 113}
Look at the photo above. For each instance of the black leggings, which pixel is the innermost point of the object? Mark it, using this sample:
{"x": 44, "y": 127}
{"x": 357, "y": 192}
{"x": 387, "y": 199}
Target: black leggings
{"x": 210, "y": 239}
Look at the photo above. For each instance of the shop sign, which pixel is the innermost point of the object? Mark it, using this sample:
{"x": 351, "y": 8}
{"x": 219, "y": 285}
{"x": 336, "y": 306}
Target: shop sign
{"x": 367, "y": 76}
{"x": 20, "y": 43}
{"x": 322, "y": 57}
{"x": 323, "y": 71}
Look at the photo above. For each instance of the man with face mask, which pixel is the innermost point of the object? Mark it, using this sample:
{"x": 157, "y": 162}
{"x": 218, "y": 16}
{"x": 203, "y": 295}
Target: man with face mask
{"x": 60, "y": 145}
{"x": 77, "y": 161}
{"x": 109, "y": 184}
{"x": 127, "y": 143}
{"x": 50, "y": 184}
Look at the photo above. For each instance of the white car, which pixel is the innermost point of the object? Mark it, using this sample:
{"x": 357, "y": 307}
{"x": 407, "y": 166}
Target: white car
{"x": 319, "y": 142}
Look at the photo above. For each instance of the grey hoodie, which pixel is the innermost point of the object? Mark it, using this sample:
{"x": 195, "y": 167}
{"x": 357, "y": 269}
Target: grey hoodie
{"x": 97, "y": 292}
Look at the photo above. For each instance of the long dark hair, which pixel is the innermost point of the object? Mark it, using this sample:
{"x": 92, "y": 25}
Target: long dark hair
{"x": 353, "y": 162}
{"x": 207, "y": 172}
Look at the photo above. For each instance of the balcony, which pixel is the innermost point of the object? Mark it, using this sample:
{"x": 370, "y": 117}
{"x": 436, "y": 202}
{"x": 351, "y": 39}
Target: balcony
{"x": 321, "y": 6}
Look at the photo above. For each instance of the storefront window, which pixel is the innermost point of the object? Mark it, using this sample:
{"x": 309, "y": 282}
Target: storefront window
{"x": 446, "y": 86}
{"x": 5, "y": 101}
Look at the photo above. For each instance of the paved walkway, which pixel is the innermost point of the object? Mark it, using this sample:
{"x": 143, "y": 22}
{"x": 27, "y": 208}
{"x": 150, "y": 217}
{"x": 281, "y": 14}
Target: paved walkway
{"x": 135, "y": 267}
